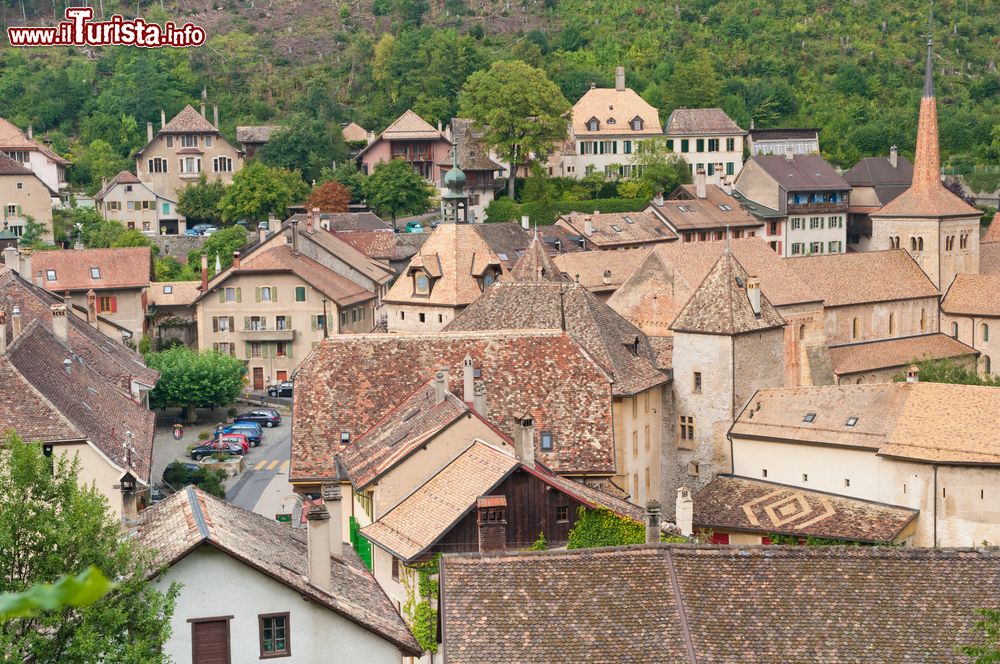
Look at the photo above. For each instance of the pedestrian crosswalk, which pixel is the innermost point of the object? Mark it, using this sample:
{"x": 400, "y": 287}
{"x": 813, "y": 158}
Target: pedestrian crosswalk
{"x": 271, "y": 464}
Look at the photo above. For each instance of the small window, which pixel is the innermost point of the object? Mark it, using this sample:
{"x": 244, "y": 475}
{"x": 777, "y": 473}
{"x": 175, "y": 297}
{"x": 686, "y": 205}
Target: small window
{"x": 300, "y": 293}
{"x": 50, "y": 275}
{"x": 810, "y": 417}
{"x": 851, "y": 421}
{"x": 423, "y": 317}
{"x": 847, "y": 481}
{"x": 20, "y": 185}
{"x": 95, "y": 273}
{"x": 562, "y": 514}
{"x": 422, "y": 284}
{"x": 274, "y": 641}
{"x": 763, "y": 472}
{"x": 693, "y": 469}
{"x": 167, "y": 290}
{"x": 345, "y": 437}
{"x": 805, "y": 477}
{"x": 546, "y": 441}
{"x": 697, "y": 382}
{"x": 395, "y": 568}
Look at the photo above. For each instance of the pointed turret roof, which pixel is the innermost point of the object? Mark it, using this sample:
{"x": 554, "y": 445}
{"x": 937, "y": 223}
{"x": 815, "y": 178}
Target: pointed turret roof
{"x": 720, "y": 304}
{"x": 535, "y": 265}
{"x": 926, "y": 196}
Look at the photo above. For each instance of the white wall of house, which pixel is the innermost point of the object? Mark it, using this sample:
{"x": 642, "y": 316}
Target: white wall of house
{"x": 729, "y": 154}
{"x": 215, "y": 584}
{"x": 816, "y": 234}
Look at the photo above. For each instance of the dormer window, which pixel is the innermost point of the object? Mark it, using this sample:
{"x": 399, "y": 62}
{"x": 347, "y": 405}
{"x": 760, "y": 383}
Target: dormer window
{"x": 593, "y": 124}
{"x": 421, "y": 284}
{"x": 610, "y": 121}
{"x": 636, "y": 123}
{"x": 489, "y": 279}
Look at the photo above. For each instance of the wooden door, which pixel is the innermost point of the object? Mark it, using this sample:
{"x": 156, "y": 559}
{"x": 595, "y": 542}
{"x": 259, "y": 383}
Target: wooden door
{"x": 282, "y": 376}
{"x": 210, "y": 642}
{"x": 258, "y": 378}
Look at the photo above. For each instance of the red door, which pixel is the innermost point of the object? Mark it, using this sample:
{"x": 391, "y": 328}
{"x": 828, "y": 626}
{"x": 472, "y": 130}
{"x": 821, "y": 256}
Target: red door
{"x": 258, "y": 378}
{"x": 282, "y": 376}
{"x": 210, "y": 642}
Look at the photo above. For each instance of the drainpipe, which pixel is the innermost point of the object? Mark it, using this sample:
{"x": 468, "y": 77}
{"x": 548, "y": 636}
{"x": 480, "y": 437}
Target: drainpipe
{"x": 935, "y": 506}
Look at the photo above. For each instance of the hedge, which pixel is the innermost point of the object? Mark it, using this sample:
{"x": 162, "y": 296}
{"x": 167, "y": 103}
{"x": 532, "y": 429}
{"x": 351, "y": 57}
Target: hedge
{"x": 543, "y": 214}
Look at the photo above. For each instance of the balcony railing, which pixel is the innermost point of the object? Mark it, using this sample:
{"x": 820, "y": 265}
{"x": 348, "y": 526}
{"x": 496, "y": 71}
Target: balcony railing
{"x": 263, "y": 334}
{"x": 816, "y": 208}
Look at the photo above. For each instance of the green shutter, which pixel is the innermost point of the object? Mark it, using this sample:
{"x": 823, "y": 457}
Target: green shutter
{"x": 246, "y": 322}
{"x": 222, "y": 295}
{"x": 248, "y": 350}
{"x": 274, "y": 293}
{"x": 239, "y": 296}
{"x": 288, "y": 349}
{"x": 257, "y": 294}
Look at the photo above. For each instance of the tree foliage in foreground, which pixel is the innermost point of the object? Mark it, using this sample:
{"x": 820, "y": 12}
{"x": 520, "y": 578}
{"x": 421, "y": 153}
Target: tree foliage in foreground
{"x": 259, "y": 190}
{"x": 988, "y": 650}
{"x": 949, "y": 371}
{"x": 394, "y": 189}
{"x": 195, "y": 379}
{"x": 49, "y": 524}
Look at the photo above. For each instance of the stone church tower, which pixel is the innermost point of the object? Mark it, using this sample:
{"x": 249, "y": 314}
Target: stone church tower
{"x": 937, "y": 228}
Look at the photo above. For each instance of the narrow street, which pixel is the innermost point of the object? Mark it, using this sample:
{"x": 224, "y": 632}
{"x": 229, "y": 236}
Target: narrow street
{"x": 263, "y": 487}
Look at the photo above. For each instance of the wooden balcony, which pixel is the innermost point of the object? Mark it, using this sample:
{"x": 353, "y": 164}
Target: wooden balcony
{"x": 803, "y": 209}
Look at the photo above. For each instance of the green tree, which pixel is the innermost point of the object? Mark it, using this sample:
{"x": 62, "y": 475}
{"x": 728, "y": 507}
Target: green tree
{"x": 394, "y": 188}
{"x": 169, "y": 268}
{"x": 222, "y": 243}
{"x": 199, "y": 201}
{"x": 348, "y": 175}
{"x": 519, "y": 109}
{"x": 259, "y": 190}
{"x": 32, "y": 235}
{"x": 306, "y": 144}
{"x": 988, "y": 651}
{"x": 660, "y": 169}
{"x": 192, "y": 379}
{"x": 67, "y": 526}
{"x": 99, "y": 160}
{"x": 694, "y": 83}
{"x": 949, "y": 371}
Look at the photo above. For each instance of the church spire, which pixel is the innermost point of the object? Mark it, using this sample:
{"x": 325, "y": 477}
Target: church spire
{"x": 927, "y": 159}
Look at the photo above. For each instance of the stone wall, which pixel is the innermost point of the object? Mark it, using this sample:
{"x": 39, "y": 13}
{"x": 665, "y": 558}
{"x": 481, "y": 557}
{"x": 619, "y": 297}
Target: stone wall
{"x": 178, "y": 246}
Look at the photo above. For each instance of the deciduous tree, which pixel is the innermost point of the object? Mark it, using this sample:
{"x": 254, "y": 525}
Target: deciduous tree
{"x": 394, "y": 188}
{"x": 259, "y": 190}
{"x": 222, "y": 243}
{"x": 194, "y": 379}
{"x": 199, "y": 201}
{"x": 329, "y": 197}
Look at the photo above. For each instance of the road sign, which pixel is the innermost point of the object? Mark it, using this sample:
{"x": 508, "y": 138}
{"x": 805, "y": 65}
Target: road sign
{"x": 283, "y": 518}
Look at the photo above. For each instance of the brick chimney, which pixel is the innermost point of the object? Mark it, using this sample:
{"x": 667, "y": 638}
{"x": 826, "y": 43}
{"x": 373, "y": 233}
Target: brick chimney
{"x": 318, "y": 544}
{"x": 652, "y": 522}
{"x": 492, "y": 521}
{"x": 440, "y": 384}
{"x": 620, "y": 79}
{"x": 236, "y": 260}
{"x": 92, "y": 307}
{"x": 204, "y": 273}
{"x": 3, "y": 331}
{"x": 149, "y": 132}
{"x": 894, "y": 156}
{"x": 163, "y": 118}
{"x": 684, "y": 511}
{"x": 524, "y": 440}
{"x": 335, "y": 506}
{"x": 59, "y": 322}
{"x": 753, "y": 294}
{"x": 913, "y": 374}
{"x": 15, "y": 323}
{"x": 479, "y": 398}
{"x": 468, "y": 380}
{"x": 700, "y": 187}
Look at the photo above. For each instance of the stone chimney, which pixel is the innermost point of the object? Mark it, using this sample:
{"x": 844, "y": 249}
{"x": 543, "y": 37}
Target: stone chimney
{"x": 684, "y": 511}
{"x": 468, "y": 380}
{"x": 894, "y": 156}
{"x": 479, "y": 398}
{"x": 524, "y": 440}
{"x": 335, "y": 506}
{"x": 149, "y": 132}
{"x": 753, "y": 294}
{"x": 620, "y": 79}
{"x": 31, "y": 132}
{"x": 236, "y": 260}
{"x": 789, "y": 153}
{"x": 10, "y": 258}
{"x": 262, "y": 229}
{"x": 295, "y": 235}
{"x": 203, "y": 108}
{"x": 700, "y": 186}
{"x": 588, "y": 227}
{"x": 26, "y": 262}
{"x": 492, "y": 521}
{"x": 3, "y": 331}
{"x": 652, "y": 522}
{"x": 15, "y": 323}
{"x": 215, "y": 115}
{"x": 59, "y": 322}
{"x": 313, "y": 216}
{"x": 68, "y": 301}
{"x": 163, "y": 118}
{"x": 525, "y": 222}
{"x": 658, "y": 199}
{"x": 204, "y": 273}
{"x": 913, "y": 374}
{"x": 726, "y": 185}
{"x": 318, "y": 544}
{"x": 440, "y": 385}
{"x": 92, "y": 308}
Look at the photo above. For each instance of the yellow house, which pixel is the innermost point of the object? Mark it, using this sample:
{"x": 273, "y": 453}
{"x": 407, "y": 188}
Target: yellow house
{"x": 24, "y": 196}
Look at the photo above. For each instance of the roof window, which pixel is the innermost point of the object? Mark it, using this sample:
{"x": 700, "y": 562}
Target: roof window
{"x": 725, "y": 208}
{"x": 851, "y": 421}
{"x": 629, "y": 220}
{"x": 50, "y": 275}
{"x": 167, "y": 290}
{"x": 810, "y": 417}
{"x": 615, "y": 228}
{"x": 95, "y": 273}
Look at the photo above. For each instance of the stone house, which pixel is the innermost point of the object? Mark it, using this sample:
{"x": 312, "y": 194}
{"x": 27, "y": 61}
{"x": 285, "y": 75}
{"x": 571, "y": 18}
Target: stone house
{"x": 127, "y": 200}
{"x": 703, "y": 212}
{"x": 37, "y": 157}
{"x": 24, "y": 196}
{"x": 709, "y": 141}
{"x": 171, "y": 311}
{"x": 875, "y": 182}
{"x": 617, "y": 230}
{"x": 970, "y": 313}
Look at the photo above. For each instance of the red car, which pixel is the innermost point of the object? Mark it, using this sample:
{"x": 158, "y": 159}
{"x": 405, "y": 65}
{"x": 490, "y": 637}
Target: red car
{"x": 237, "y": 439}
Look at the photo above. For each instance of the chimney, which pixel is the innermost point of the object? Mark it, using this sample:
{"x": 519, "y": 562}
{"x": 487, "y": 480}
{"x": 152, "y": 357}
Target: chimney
{"x": 700, "y": 188}
{"x": 26, "y": 262}
{"x": 236, "y": 260}
{"x": 525, "y": 222}
{"x": 262, "y": 228}
{"x": 203, "y": 108}
{"x": 318, "y": 544}
{"x": 894, "y": 156}
{"x": 789, "y": 153}
{"x": 3, "y": 331}
{"x": 440, "y": 384}
{"x": 753, "y": 294}
{"x": 468, "y": 380}
{"x": 313, "y": 215}
{"x": 524, "y": 440}
{"x": 31, "y": 132}
{"x": 10, "y": 258}
{"x": 295, "y": 236}
{"x": 371, "y": 137}
{"x": 335, "y": 506}
{"x": 68, "y": 301}
{"x": 684, "y": 511}
{"x": 92, "y": 307}
{"x": 588, "y": 227}
{"x": 658, "y": 199}
{"x": 204, "y": 273}
{"x": 59, "y": 321}
{"x": 215, "y": 115}
{"x": 726, "y": 185}
{"x": 620, "y": 79}
{"x": 479, "y": 397}
{"x": 606, "y": 277}
{"x": 149, "y": 132}
{"x": 652, "y": 522}
{"x": 163, "y": 118}
{"x": 492, "y": 521}
{"x": 15, "y": 323}
{"x": 913, "y": 374}
{"x": 439, "y": 126}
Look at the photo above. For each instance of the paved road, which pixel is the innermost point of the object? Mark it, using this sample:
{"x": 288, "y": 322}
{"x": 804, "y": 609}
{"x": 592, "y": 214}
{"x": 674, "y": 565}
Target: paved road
{"x": 268, "y": 463}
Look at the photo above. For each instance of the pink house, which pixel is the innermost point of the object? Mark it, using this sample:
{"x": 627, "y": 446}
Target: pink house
{"x": 412, "y": 139}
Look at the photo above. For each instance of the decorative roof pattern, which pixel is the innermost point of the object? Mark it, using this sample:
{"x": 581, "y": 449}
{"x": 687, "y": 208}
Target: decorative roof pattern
{"x": 191, "y": 518}
{"x": 127, "y": 267}
{"x": 804, "y": 172}
{"x": 615, "y": 229}
{"x": 863, "y": 277}
{"x": 349, "y": 382}
{"x": 684, "y": 211}
{"x": 189, "y": 121}
{"x": 891, "y": 353}
{"x": 749, "y": 505}
{"x": 700, "y": 121}
{"x": 601, "y": 271}
{"x": 472, "y": 154}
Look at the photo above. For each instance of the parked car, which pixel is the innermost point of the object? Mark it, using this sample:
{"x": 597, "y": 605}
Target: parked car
{"x": 251, "y": 430}
{"x": 237, "y": 439}
{"x": 191, "y": 232}
{"x": 214, "y": 446}
{"x": 201, "y": 228}
{"x": 267, "y": 417}
{"x": 414, "y": 227}
{"x": 282, "y": 389}
{"x": 178, "y": 473}
{"x": 209, "y": 231}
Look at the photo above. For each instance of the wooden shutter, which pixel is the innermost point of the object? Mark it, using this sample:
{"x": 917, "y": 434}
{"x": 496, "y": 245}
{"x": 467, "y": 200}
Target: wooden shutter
{"x": 239, "y": 296}
{"x": 257, "y": 294}
{"x": 248, "y": 350}
{"x": 222, "y": 295}
{"x": 114, "y": 303}
{"x": 274, "y": 293}
{"x": 288, "y": 349}
{"x": 210, "y": 642}
{"x": 313, "y": 322}
{"x": 215, "y": 323}
{"x": 246, "y": 322}
{"x": 232, "y": 324}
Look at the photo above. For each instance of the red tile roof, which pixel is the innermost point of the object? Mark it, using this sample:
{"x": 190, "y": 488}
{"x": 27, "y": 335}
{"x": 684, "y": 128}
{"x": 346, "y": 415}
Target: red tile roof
{"x": 281, "y": 258}
{"x": 373, "y": 244}
{"x": 129, "y": 267}
{"x": 892, "y": 353}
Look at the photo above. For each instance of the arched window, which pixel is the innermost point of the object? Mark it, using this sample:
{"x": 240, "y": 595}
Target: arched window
{"x": 855, "y": 328}
{"x": 859, "y": 381}
{"x": 920, "y": 244}
{"x": 913, "y": 244}
{"x": 802, "y": 332}
{"x": 892, "y": 323}
{"x": 986, "y": 332}
{"x": 954, "y": 330}
{"x": 986, "y": 365}
{"x": 923, "y": 320}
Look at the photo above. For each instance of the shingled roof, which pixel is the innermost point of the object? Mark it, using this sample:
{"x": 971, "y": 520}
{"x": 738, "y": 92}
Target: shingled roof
{"x": 256, "y": 133}
{"x": 684, "y": 211}
{"x": 10, "y": 166}
{"x": 863, "y": 277}
{"x": 535, "y": 264}
{"x": 720, "y": 304}
{"x": 804, "y": 172}
{"x": 687, "y": 604}
{"x": 993, "y": 231}
{"x": 189, "y": 121}
{"x": 887, "y": 180}
{"x": 614, "y": 110}
{"x": 12, "y": 138}
{"x": 125, "y": 267}
{"x": 472, "y": 154}
{"x": 601, "y": 271}
{"x": 354, "y": 133}
{"x": 733, "y": 503}
{"x": 281, "y": 258}
{"x": 896, "y": 353}
{"x": 697, "y": 121}
{"x": 373, "y": 244}
{"x": 973, "y": 295}
{"x": 191, "y": 519}
{"x": 619, "y": 347}
{"x": 611, "y": 230}
{"x": 349, "y": 382}
{"x": 123, "y": 177}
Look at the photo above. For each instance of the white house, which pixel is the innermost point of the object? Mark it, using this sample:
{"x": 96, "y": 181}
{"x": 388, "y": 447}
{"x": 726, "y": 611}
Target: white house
{"x": 37, "y": 157}
{"x": 708, "y": 140}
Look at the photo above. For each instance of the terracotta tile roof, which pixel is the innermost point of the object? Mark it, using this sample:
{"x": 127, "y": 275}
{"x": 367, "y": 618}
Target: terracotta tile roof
{"x": 927, "y": 422}
{"x": 993, "y": 231}
{"x": 12, "y": 138}
{"x": 422, "y": 518}
{"x": 890, "y": 353}
{"x": 858, "y": 278}
{"x": 190, "y": 519}
{"x": 182, "y": 293}
{"x": 973, "y": 294}
{"x": 343, "y": 221}
{"x": 559, "y": 240}
{"x": 256, "y": 133}
{"x": 353, "y": 132}
{"x": 409, "y": 425}
{"x": 620, "y": 106}
{"x": 26, "y": 410}
{"x": 189, "y": 121}
{"x": 544, "y": 305}
{"x": 989, "y": 258}
{"x": 718, "y": 210}
{"x": 663, "y": 347}
{"x": 936, "y": 202}
{"x": 804, "y": 172}
{"x": 10, "y": 166}
{"x": 83, "y": 397}
{"x": 695, "y": 121}
{"x": 124, "y": 177}
{"x": 339, "y": 289}
{"x": 472, "y": 154}
{"x": 749, "y": 505}
{"x": 129, "y": 267}
{"x": 117, "y": 363}
{"x": 613, "y": 229}
{"x": 349, "y": 382}
{"x": 505, "y": 239}
{"x": 373, "y": 244}
{"x": 535, "y": 264}
{"x": 590, "y": 267}
{"x": 454, "y": 255}
{"x": 682, "y": 604}
{"x": 410, "y": 125}
{"x": 720, "y": 304}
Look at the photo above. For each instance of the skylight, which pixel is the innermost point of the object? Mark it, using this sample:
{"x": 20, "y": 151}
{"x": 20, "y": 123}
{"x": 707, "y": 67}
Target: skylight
{"x": 810, "y": 417}
{"x": 95, "y": 273}
{"x": 851, "y": 421}
{"x": 725, "y": 208}
{"x": 617, "y": 229}
{"x": 629, "y": 220}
